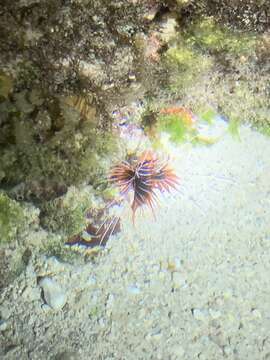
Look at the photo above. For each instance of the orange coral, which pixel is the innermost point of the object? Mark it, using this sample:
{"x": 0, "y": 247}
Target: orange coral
{"x": 186, "y": 114}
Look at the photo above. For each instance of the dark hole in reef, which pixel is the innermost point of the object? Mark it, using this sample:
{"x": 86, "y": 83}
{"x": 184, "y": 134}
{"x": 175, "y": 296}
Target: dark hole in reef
{"x": 164, "y": 9}
{"x": 26, "y": 256}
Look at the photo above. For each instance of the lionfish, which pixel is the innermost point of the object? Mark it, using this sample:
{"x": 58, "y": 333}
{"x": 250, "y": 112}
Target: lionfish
{"x": 143, "y": 178}
{"x": 139, "y": 178}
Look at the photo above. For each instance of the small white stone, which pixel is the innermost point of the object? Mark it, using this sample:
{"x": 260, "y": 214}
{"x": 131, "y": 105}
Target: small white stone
{"x": 228, "y": 350}
{"x": 177, "y": 263}
{"x": 109, "y": 304}
{"x": 155, "y": 269}
{"x": 142, "y": 314}
{"x": 110, "y": 301}
{"x": 215, "y": 314}
{"x": 54, "y": 265}
{"x": 54, "y": 295}
{"x": 155, "y": 335}
{"x": 161, "y": 275}
{"x": 256, "y": 313}
{"x": 102, "y": 322}
{"x": 227, "y": 294}
{"x": 3, "y": 325}
{"x": 168, "y": 29}
{"x": 134, "y": 290}
{"x": 5, "y": 311}
{"x": 46, "y": 307}
{"x": 202, "y": 356}
{"x": 92, "y": 280}
{"x": 200, "y": 314}
{"x": 177, "y": 350}
{"x": 178, "y": 280}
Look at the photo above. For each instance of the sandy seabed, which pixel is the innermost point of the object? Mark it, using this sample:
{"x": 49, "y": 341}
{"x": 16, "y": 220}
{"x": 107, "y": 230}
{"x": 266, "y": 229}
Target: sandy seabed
{"x": 194, "y": 283}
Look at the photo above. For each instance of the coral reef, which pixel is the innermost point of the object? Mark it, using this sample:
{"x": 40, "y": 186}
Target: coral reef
{"x": 206, "y": 34}
{"x": 34, "y": 147}
{"x": 66, "y": 64}
{"x": 209, "y": 63}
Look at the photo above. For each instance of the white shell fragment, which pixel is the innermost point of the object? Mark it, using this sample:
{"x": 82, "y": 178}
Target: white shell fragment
{"x": 54, "y": 295}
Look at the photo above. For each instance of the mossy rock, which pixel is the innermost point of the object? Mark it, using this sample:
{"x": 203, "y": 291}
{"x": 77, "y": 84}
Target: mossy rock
{"x": 56, "y": 247}
{"x": 207, "y": 35}
{"x": 248, "y": 102}
{"x": 209, "y": 63}
{"x": 185, "y": 66}
{"x": 6, "y": 85}
{"x": 58, "y": 143}
{"x": 13, "y": 219}
{"x": 66, "y": 215}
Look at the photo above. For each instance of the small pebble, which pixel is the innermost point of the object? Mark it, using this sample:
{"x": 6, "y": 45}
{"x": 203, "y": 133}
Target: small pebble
{"x": 3, "y": 325}
{"x": 54, "y": 295}
{"x": 5, "y": 311}
{"x": 109, "y": 304}
{"x": 228, "y": 351}
{"x": 175, "y": 264}
{"x": 134, "y": 290}
{"x": 256, "y": 313}
{"x": 67, "y": 355}
{"x": 215, "y": 314}
{"x": 45, "y": 307}
{"x": 177, "y": 350}
{"x": 92, "y": 280}
{"x": 55, "y": 265}
{"x": 102, "y": 322}
{"x": 155, "y": 335}
{"x": 178, "y": 280}
{"x": 227, "y": 294}
{"x": 110, "y": 301}
{"x": 200, "y": 314}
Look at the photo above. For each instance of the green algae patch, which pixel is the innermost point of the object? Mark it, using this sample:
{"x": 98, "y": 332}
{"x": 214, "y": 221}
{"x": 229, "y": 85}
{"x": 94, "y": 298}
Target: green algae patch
{"x": 175, "y": 126}
{"x": 202, "y": 140}
{"x": 208, "y": 116}
{"x": 179, "y": 127}
{"x": 207, "y": 35}
{"x": 66, "y": 215}
{"x": 12, "y": 219}
{"x": 233, "y": 129}
{"x": 185, "y": 66}
{"x": 210, "y": 63}
{"x": 6, "y": 85}
{"x": 264, "y": 129}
